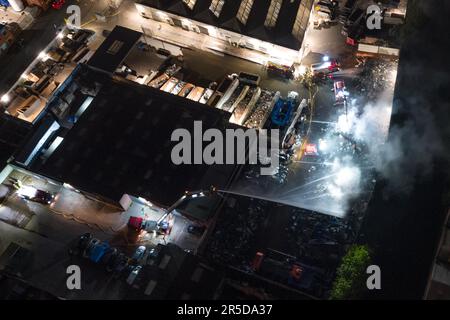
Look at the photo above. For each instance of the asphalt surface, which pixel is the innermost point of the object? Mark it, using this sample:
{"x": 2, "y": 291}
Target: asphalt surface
{"x": 214, "y": 67}
{"x": 309, "y": 176}
{"x": 49, "y": 235}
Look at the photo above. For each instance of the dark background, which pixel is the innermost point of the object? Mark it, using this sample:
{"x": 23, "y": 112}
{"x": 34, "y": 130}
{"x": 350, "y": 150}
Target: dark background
{"x": 405, "y": 219}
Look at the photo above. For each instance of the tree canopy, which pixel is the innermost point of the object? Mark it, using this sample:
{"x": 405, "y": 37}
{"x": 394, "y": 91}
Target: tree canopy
{"x": 351, "y": 277}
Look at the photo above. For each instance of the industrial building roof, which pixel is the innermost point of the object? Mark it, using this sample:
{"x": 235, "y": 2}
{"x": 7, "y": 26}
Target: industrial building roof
{"x": 122, "y": 143}
{"x": 289, "y": 18}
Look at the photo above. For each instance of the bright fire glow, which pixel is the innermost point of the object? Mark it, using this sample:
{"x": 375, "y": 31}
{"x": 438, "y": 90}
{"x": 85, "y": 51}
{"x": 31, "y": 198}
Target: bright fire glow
{"x": 300, "y": 71}
{"x": 335, "y": 191}
{"x": 346, "y": 176}
{"x": 343, "y": 124}
{"x": 345, "y": 182}
{"x": 323, "y": 145}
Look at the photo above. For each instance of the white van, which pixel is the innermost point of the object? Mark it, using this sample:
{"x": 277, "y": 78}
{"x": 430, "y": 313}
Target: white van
{"x": 321, "y": 67}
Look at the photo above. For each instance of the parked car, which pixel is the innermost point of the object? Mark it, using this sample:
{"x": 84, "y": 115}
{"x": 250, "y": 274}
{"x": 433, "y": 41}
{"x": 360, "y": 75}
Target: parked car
{"x": 139, "y": 253}
{"x": 113, "y": 260}
{"x": 282, "y": 70}
{"x": 106, "y": 33}
{"x": 32, "y": 194}
{"x": 324, "y": 9}
{"x": 141, "y": 45}
{"x": 110, "y": 254}
{"x": 324, "y": 15}
{"x": 328, "y": 3}
{"x": 92, "y": 243}
{"x": 80, "y": 244}
{"x": 153, "y": 252}
{"x": 196, "y": 230}
{"x": 163, "y": 53}
{"x": 324, "y": 67}
{"x": 120, "y": 265}
{"x": 133, "y": 274}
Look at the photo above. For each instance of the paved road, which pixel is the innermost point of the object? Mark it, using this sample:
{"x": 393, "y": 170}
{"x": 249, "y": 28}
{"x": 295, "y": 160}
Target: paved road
{"x": 48, "y": 236}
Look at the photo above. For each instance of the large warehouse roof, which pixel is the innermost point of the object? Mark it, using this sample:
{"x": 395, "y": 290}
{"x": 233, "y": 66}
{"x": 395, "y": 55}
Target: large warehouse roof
{"x": 281, "y": 22}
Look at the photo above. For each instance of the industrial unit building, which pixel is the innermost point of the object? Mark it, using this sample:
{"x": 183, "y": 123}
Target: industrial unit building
{"x": 110, "y": 138}
{"x": 117, "y": 141}
{"x": 230, "y": 25}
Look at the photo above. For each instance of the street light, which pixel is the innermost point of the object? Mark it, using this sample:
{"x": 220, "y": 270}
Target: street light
{"x": 187, "y": 196}
{"x": 43, "y": 56}
{"x": 5, "y": 98}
